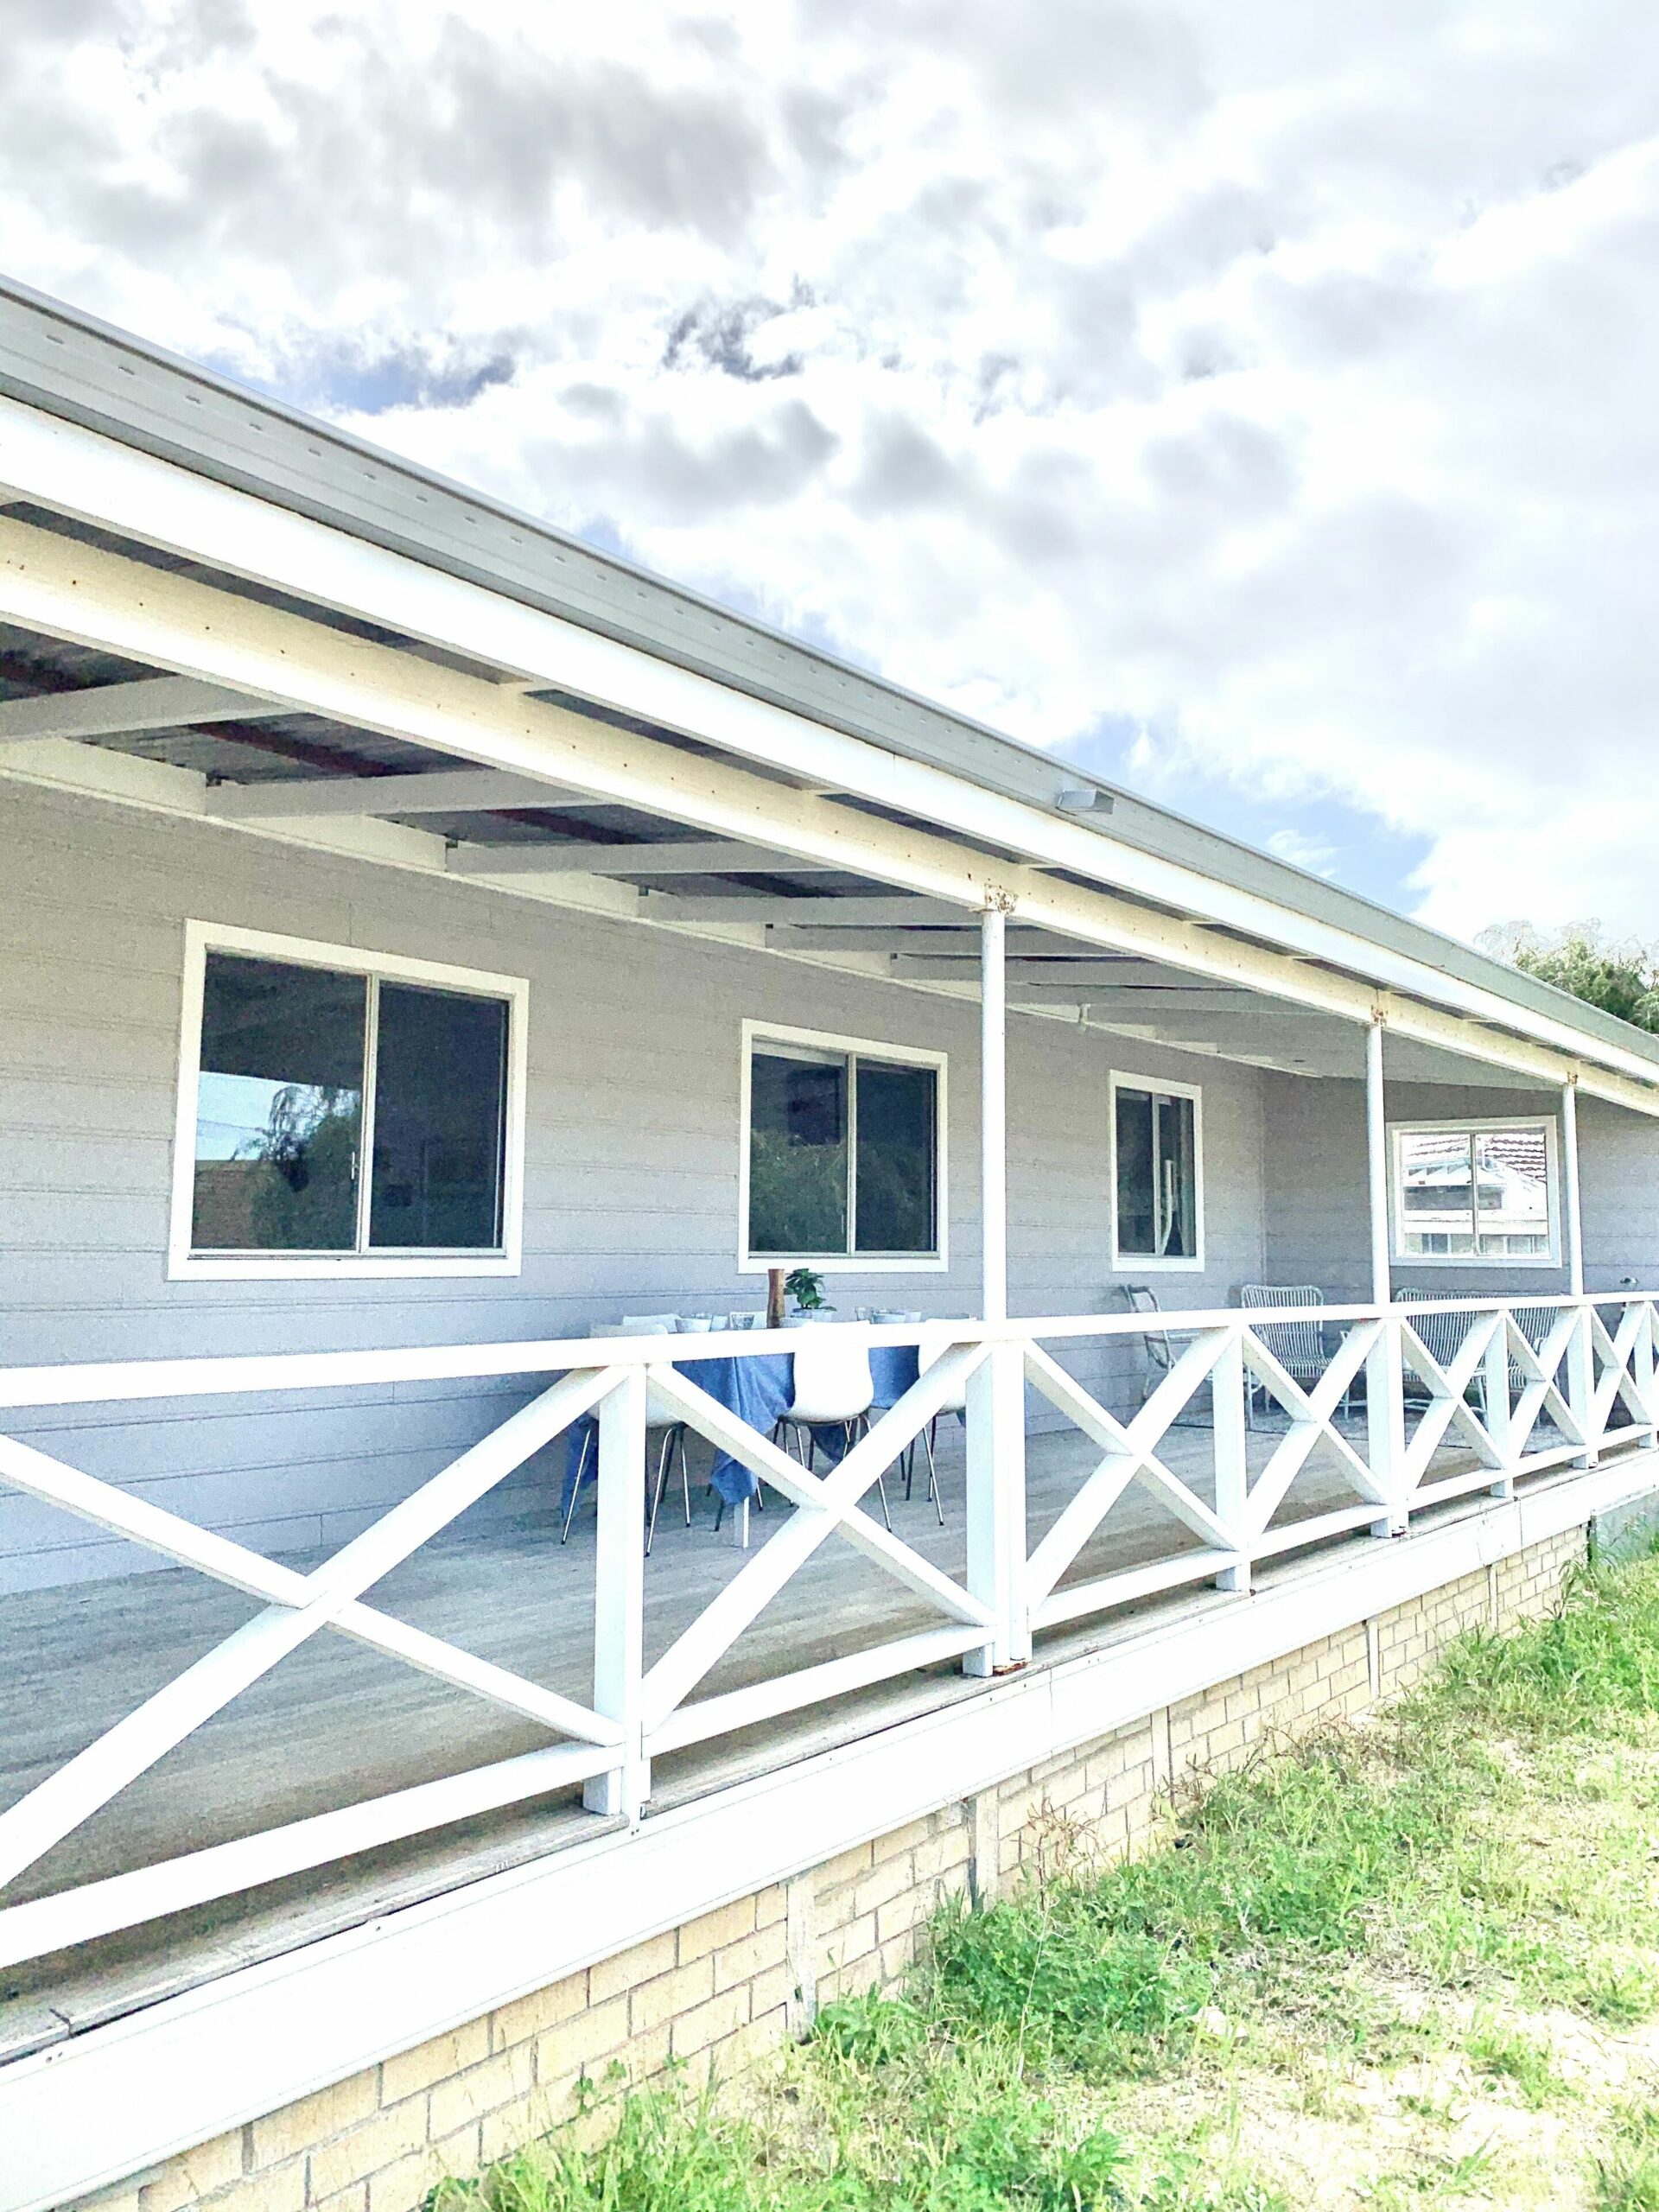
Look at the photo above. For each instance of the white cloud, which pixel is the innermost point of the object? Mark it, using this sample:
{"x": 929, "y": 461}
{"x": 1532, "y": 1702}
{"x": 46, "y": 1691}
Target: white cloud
{"x": 1316, "y": 854}
{"x": 1274, "y": 381}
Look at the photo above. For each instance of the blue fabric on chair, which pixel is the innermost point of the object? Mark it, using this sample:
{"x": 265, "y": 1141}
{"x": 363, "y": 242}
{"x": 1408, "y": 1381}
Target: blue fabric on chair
{"x": 757, "y": 1389}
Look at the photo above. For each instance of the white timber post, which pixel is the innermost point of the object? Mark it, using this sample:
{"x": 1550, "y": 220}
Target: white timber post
{"x": 1580, "y": 1356}
{"x": 1227, "y": 1387}
{"x": 619, "y": 1594}
{"x": 996, "y": 1389}
{"x": 993, "y": 1112}
{"x": 1572, "y": 1208}
{"x": 1376, "y": 1162}
{"x": 1643, "y": 1357}
{"x": 1385, "y": 1378}
{"x": 1499, "y": 1411}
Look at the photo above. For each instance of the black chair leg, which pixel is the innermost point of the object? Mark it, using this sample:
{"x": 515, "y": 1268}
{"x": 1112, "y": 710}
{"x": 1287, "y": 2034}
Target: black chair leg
{"x": 932, "y": 1472}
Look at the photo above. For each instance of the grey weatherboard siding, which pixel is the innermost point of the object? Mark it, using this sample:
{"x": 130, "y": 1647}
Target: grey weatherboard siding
{"x": 631, "y": 1169}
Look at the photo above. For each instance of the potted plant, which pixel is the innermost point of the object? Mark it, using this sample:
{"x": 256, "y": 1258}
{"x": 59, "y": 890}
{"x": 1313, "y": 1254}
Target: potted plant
{"x": 806, "y": 1287}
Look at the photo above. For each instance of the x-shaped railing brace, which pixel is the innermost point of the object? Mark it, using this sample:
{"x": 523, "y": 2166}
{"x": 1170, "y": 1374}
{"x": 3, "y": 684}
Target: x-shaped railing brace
{"x": 825, "y": 1504}
{"x": 298, "y": 1606}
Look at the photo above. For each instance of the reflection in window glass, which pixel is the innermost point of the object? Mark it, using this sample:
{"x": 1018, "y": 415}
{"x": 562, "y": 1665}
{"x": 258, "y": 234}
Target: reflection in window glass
{"x": 1434, "y": 1182}
{"x": 798, "y": 1151}
{"x": 895, "y": 1153}
{"x": 286, "y": 1086}
{"x": 279, "y": 1108}
{"x": 1473, "y": 1194}
{"x": 843, "y": 1154}
{"x": 440, "y": 1114}
{"x": 1156, "y": 1142}
{"x": 1512, "y": 1190}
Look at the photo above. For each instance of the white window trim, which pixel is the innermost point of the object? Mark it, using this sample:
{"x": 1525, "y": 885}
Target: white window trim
{"x": 847, "y": 1263}
{"x": 184, "y": 1265}
{"x": 1484, "y": 1122}
{"x": 1138, "y": 1262}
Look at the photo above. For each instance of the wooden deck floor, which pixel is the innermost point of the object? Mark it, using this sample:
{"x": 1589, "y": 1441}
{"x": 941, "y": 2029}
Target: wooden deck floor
{"x": 335, "y": 1722}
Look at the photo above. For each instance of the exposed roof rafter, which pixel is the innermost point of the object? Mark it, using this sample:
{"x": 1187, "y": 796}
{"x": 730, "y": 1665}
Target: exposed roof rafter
{"x": 690, "y": 857}
{"x": 125, "y": 709}
{"x": 459, "y": 790}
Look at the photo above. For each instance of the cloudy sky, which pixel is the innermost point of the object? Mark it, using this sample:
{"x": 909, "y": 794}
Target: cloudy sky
{"x": 1256, "y": 402}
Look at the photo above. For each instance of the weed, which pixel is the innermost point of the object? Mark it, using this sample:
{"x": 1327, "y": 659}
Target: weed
{"x": 1508, "y": 2054}
{"x": 1627, "y": 2174}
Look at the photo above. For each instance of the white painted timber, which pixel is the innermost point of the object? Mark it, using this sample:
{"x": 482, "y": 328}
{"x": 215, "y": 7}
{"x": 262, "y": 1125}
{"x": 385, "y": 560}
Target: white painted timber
{"x": 94, "y": 2110}
{"x": 691, "y": 857}
{"x": 100, "y": 597}
{"x": 78, "y": 471}
{"x": 123, "y": 710}
{"x": 445, "y": 791}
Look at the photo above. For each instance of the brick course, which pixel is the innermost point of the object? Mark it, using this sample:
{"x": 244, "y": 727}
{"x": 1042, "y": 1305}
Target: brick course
{"x": 720, "y": 1993}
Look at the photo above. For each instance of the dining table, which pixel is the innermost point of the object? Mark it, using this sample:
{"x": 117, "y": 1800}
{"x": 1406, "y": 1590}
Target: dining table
{"x": 759, "y": 1389}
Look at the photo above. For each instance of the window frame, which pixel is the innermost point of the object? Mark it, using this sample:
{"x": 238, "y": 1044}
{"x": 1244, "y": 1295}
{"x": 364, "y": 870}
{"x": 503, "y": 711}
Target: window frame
{"x": 1165, "y": 1086}
{"x": 849, "y": 1263}
{"x": 185, "y": 1263}
{"x": 1481, "y": 1125}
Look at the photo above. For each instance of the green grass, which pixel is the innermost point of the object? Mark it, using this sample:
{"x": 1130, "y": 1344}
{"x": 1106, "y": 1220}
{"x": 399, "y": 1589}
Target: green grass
{"x": 1627, "y": 2174}
{"x": 1383, "y": 1920}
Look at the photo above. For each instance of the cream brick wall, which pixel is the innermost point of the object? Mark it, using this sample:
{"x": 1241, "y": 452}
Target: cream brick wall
{"x": 720, "y": 1992}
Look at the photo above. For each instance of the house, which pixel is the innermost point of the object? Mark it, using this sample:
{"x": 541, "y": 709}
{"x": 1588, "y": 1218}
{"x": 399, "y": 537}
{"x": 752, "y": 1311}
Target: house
{"x": 431, "y": 944}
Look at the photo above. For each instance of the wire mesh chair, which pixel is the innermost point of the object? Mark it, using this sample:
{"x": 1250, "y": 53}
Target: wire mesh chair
{"x": 1442, "y": 1336}
{"x": 1299, "y": 1346}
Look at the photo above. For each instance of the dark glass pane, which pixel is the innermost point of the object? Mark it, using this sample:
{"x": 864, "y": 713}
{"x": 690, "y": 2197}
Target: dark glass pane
{"x": 797, "y": 1154}
{"x": 440, "y": 1120}
{"x": 1136, "y": 1227}
{"x": 278, "y": 1108}
{"x": 1178, "y": 1179}
{"x": 894, "y": 1167}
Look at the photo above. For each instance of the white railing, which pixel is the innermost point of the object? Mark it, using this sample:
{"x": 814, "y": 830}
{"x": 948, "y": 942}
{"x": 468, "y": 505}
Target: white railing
{"x": 1511, "y": 1390}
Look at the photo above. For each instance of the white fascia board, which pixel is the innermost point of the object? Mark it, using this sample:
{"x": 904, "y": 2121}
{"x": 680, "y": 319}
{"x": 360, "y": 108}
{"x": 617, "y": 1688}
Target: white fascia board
{"x": 61, "y": 465}
{"x": 76, "y": 591}
{"x": 104, "y": 2105}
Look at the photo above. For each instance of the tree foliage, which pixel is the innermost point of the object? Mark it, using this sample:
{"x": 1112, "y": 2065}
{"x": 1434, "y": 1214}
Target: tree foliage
{"x": 1620, "y": 978}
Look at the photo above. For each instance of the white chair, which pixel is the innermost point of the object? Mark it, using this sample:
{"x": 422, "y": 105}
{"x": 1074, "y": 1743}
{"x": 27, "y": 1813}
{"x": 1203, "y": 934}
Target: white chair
{"x": 661, "y": 1422}
{"x": 1162, "y": 1347}
{"x": 834, "y": 1388}
{"x": 1299, "y": 1346}
{"x": 927, "y": 1354}
{"x": 1442, "y": 1336}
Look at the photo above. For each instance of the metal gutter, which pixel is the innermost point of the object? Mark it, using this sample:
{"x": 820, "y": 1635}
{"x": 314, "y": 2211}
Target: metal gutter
{"x": 71, "y": 366}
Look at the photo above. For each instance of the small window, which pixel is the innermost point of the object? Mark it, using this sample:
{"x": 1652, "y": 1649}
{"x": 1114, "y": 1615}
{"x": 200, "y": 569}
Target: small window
{"x": 1158, "y": 1217}
{"x": 842, "y": 1151}
{"x": 1475, "y": 1192}
{"x": 341, "y": 1113}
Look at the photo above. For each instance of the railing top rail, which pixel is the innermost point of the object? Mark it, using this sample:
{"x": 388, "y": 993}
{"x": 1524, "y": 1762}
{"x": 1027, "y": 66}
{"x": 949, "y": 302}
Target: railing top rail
{"x": 247, "y": 1375}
